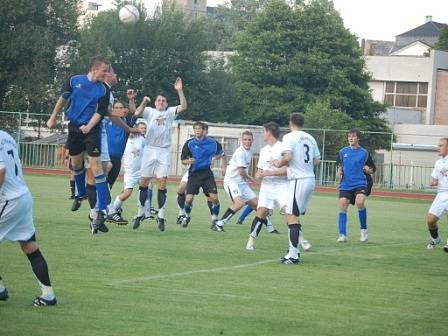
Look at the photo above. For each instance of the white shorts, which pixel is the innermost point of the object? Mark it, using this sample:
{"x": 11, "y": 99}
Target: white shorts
{"x": 16, "y": 219}
{"x": 185, "y": 177}
{"x": 130, "y": 180}
{"x": 104, "y": 146}
{"x": 299, "y": 195}
{"x": 241, "y": 190}
{"x": 156, "y": 161}
{"x": 272, "y": 195}
{"x": 439, "y": 206}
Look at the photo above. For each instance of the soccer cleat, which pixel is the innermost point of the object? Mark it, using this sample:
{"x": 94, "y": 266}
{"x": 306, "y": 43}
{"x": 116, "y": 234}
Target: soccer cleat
{"x": 275, "y": 231}
{"x": 250, "y": 246}
{"x": 342, "y": 239}
{"x": 306, "y": 246}
{"x": 77, "y": 202}
{"x": 71, "y": 197}
{"x": 40, "y": 301}
{"x": 445, "y": 248}
{"x": 433, "y": 243}
{"x": 161, "y": 223}
{"x": 137, "y": 221}
{"x": 364, "y": 236}
{"x": 4, "y": 295}
{"x": 117, "y": 219}
{"x": 290, "y": 261}
{"x": 179, "y": 219}
{"x": 99, "y": 223}
{"x": 239, "y": 221}
{"x": 218, "y": 228}
{"x": 185, "y": 221}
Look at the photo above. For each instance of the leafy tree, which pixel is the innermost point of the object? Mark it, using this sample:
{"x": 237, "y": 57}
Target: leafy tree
{"x": 30, "y": 33}
{"x": 149, "y": 55}
{"x": 289, "y": 57}
{"x": 442, "y": 41}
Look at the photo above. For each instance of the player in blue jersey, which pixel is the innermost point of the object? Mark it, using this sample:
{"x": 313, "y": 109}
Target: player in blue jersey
{"x": 354, "y": 164}
{"x": 199, "y": 152}
{"x": 89, "y": 103}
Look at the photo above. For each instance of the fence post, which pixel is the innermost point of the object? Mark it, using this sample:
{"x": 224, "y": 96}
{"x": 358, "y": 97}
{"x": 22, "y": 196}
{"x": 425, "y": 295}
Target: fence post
{"x": 391, "y": 184}
{"x": 322, "y": 159}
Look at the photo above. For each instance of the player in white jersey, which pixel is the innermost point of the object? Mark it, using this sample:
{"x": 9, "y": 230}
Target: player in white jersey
{"x": 237, "y": 179}
{"x": 439, "y": 207}
{"x": 16, "y": 218}
{"x": 132, "y": 159}
{"x": 301, "y": 155}
{"x": 157, "y": 152}
{"x": 274, "y": 185}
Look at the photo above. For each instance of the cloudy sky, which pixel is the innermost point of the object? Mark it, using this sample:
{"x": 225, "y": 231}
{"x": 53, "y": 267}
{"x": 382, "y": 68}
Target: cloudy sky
{"x": 374, "y": 19}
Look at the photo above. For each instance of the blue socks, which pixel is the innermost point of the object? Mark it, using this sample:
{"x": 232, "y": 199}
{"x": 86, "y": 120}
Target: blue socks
{"x": 102, "y": 191}
{"x": 247, "y": 210}
{"x": 362, "y": 218}
{"x": 80, "y": 180}
{"x": 342, "y": 222}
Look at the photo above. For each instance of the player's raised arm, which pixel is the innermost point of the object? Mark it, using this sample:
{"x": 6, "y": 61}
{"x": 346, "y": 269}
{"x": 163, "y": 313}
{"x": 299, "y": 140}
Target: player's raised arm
{"x": 131, "y": 94}
{"x": 142, "y": 106}
{"x": 183, "y": 101}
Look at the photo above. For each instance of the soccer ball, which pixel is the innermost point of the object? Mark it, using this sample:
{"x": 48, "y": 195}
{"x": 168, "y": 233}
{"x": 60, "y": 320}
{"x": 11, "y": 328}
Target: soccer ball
{"x": 129, "y": 14}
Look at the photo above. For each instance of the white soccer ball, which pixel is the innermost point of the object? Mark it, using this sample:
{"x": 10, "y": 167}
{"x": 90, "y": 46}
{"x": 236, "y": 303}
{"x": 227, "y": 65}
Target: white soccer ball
{"x": 129, "y": 14}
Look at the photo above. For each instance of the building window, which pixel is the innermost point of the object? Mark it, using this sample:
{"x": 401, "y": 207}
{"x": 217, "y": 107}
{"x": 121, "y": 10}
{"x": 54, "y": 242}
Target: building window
{"x": 406, "y": 94}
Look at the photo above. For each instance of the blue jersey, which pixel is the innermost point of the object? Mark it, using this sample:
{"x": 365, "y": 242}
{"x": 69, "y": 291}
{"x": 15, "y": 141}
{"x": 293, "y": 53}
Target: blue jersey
{"x": 203, "y": 151}
{"x": 117, "y": 136}
{"x": 86, "y": 98}
{"x": 352, "y": 162}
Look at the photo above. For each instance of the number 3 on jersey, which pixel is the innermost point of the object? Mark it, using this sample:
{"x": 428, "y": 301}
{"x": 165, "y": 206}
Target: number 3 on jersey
{"x": 307, "y": 153}
{"x": 10, "y": 152}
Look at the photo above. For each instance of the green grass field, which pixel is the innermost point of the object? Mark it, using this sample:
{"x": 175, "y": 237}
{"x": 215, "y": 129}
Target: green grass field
{"x": 199, "y": 282}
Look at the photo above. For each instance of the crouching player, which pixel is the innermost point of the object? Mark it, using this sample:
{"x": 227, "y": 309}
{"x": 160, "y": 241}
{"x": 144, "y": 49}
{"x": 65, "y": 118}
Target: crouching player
{"x": 132, "y": 159}
{"x": 16, "y": 219}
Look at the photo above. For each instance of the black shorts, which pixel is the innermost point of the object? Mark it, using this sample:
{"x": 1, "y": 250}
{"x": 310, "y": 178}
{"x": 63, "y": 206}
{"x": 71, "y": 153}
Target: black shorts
{"x": 78, "y": 142}
{"x": 351, "y": 194}
{"x": 201, "y": 179}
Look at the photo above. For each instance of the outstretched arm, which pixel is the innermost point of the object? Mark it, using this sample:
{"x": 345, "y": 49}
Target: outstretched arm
{"x": 179, "y": 88}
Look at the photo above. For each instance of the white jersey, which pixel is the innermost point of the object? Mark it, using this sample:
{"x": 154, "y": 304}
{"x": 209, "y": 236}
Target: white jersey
{"x": 159, "y": 124}
{"x": 14, "y": 185}
{"x": 440, "y": 173}
{"x": 304, "y": 150}
{"x": 132, "y": 157}
{"x": 240, "y": 159}
{"x": 268, "y": 154}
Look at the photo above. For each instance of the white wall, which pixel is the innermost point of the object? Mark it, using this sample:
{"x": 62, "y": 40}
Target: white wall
{"x": 415, "y": 49}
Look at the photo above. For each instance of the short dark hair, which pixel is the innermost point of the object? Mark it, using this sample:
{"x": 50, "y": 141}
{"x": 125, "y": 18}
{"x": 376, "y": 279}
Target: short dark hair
{"x": 297, "y": 119}
{"x": 273, "y": 128}
{"x": 247, "y": 132}
{"x": 162, "y": 94}
{"x": 125, "y": 105}
{"x": 201, "y": 124}
{"x": 97, "y": 60}
{"x": 356, "y": 131}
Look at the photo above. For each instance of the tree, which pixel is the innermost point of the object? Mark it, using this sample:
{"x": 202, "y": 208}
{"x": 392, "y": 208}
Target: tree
{"x": 289, "y": 57}
{"x": 30, "y": 33}
{"x": 442, "y": 41}
{"x": 149, "y": 55}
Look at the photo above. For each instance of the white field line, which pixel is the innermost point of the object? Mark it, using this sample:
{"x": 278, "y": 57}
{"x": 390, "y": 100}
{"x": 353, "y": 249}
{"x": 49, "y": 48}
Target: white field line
{"x": 127, "y": 282}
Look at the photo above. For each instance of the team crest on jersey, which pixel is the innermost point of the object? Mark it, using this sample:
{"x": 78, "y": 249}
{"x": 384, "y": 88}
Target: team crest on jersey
{"x": 345, "y": 155}
{"x": 78, "y": 86}
{"x": 160, "y": 121}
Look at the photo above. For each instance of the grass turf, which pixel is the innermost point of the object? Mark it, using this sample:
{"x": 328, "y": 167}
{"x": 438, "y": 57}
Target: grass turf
{"x": 199, "y": 282}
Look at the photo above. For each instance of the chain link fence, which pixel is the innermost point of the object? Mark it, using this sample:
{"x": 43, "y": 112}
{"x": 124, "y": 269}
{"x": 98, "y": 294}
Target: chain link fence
{"x": 398, "y": 166}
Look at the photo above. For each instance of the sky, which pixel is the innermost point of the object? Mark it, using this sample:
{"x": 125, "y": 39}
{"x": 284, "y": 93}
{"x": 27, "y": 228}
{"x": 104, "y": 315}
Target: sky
{"x": 375, "y": 19}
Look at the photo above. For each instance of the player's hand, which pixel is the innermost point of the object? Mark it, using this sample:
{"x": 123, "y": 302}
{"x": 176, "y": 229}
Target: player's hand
{"x": 51, "y": 123}
{"x": 366, "y": 169}
{"x": 190, "y": 161}
{"x": 276, "y": 163}
{"x": 146, "y": 100}
{"x": 134, "y": 130}
{"x": 84, "y": 129}
{"x": 131, "y": 94}
{"x": 178, "y": 84}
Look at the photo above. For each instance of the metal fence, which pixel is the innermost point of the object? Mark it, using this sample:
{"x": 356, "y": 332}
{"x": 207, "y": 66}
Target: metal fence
{"x": 31, "y": 133}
